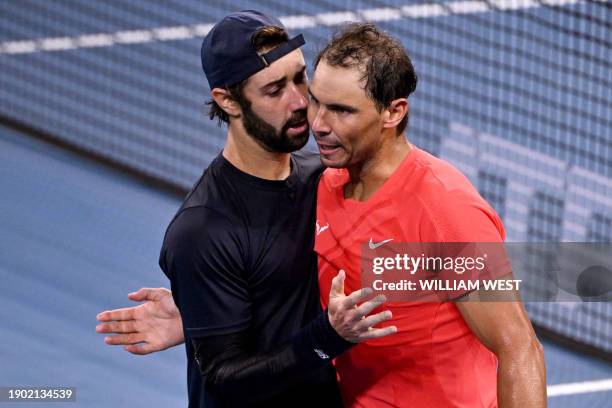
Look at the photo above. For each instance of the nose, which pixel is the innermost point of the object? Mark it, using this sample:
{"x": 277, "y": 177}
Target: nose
{"x": 298, "y": 98}
{"x": 316, "y": 116}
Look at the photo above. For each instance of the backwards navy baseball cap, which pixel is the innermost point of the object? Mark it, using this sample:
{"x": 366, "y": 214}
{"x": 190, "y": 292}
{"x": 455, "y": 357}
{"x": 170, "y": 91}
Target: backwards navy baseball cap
{"x": 228, "y": 55}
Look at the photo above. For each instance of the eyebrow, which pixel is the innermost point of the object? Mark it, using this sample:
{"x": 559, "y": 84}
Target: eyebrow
{"x": 335, "y": 106}
{"x": 281, "y": 81}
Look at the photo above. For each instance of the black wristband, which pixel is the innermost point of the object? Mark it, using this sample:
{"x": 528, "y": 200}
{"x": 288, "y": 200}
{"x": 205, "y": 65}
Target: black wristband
{"x": 318, "y": 343}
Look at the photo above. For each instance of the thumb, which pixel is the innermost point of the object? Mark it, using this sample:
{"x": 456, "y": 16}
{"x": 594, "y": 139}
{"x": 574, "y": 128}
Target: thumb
{"x": 145, "y": 294}
{"x": 337, "y": 287}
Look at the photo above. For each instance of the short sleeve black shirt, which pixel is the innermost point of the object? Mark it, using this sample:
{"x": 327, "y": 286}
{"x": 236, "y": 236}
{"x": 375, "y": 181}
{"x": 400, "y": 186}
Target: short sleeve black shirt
{"x": 239, "y": 256}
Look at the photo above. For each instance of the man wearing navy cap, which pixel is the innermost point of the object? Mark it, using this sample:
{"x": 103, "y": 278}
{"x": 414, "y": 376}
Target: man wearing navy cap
{"x": 239, "y": 252}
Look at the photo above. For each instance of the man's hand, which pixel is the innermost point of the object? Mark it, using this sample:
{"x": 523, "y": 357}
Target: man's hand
{"x": 152, "y": 326}
{"x": 351, "y": 321}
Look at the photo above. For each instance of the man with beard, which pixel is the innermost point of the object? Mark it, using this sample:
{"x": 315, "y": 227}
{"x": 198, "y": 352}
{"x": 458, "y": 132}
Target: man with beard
{"x": 239, "y": 252}
{"x": 444, "y": 354}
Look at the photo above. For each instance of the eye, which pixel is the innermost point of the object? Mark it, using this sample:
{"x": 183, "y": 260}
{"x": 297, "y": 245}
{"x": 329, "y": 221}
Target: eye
{"x": 274, "y": 92}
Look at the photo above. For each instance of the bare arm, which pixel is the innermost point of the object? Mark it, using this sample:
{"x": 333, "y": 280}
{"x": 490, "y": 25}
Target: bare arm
{"x": 505, "y": 329}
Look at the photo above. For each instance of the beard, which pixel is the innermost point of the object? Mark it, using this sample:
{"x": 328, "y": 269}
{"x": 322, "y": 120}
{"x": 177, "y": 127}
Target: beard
{"x": 268, "y": 137}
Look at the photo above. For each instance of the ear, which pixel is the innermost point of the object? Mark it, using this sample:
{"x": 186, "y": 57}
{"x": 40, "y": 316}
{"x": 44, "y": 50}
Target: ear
{"x": 395, "y": 112}
{"x": 225, "y": 101}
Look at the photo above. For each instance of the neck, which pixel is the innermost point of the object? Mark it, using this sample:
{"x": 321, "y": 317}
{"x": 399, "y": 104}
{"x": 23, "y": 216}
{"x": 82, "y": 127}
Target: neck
{"x": 367, "y": 177}
{"x": 248, "y": 156}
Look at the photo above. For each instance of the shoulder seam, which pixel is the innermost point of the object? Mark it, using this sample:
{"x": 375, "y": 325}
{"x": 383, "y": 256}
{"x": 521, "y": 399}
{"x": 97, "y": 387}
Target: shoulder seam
{"x": 182, "y": 210}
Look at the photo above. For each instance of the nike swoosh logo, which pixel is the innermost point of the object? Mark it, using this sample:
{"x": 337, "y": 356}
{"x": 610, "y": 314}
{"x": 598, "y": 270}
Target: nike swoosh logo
{"x": 374, "y": 245}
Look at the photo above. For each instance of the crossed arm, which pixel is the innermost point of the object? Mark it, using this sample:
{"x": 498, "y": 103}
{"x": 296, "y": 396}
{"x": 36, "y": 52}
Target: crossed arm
{"x": 156, "y": 325}
{"x": 503, "y": 327}
{"x": 227, "y": 366}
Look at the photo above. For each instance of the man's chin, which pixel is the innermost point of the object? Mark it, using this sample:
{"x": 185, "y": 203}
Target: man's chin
{"x": 296, "y": 142}
{"x": 332, "y": 162}
{"x": 301, "y": 139}
{"x": 335, "y": 157}
{"x": 289, "y": 145}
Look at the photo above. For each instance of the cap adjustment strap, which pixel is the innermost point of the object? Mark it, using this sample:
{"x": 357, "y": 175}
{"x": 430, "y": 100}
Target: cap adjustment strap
{"x": 282, "y": 50}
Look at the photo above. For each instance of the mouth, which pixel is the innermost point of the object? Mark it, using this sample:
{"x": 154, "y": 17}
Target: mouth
{"x": 327, "y": 148}
{"x": 298, "y": 127}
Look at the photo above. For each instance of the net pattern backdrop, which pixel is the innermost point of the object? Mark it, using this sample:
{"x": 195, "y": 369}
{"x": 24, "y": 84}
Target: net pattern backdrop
{"x": 516, "y": 93}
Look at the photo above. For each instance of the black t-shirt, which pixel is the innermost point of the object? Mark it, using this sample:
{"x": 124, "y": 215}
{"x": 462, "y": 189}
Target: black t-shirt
{"x": 239, "y": 255}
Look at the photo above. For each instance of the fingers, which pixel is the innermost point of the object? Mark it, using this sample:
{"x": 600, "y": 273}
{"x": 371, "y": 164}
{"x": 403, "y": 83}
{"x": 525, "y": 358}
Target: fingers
{"x": 337, "y": 286}
{"x": 377, "y": 333}
{"x": 125, "y": 339}
{"x": 373, "y": 320}
{"x": 356, "y": 297}
{"x": 127, "y": 313}
{"x": 366, "y": 307}
{"x": 144, "y": 294}
{"x": 117, "y": 327}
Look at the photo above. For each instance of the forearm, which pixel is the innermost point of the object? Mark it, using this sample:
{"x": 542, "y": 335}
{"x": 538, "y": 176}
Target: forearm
{"x": 234, "y": 373}
{"x": 521, "y": 380}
